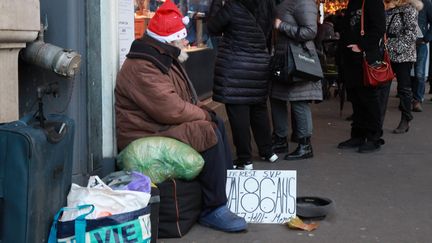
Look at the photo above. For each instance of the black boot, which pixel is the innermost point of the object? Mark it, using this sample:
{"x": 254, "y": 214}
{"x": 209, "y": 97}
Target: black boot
{"x": 403, "y": 126}
{"x": 303, "y": 150}
{"x": 280, "y": 145}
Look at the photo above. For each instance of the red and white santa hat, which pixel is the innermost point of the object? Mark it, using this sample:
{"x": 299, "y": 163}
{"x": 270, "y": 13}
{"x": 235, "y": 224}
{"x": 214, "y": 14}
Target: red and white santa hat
{"x": 168, "y": 24}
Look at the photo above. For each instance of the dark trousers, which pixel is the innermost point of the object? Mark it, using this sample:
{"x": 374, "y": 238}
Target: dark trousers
{"x": 404, "y": 90}
{"x": 213, "y": 175}
{"x": 369, "y": 106}
{"x": 242, "y": 119}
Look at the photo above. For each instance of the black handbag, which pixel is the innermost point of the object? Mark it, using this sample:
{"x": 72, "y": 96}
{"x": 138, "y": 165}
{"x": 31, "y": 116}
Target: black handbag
{"x": 305, "y": 62}
{"x": 280, "y": 68}
{"x": 298, "y": 64}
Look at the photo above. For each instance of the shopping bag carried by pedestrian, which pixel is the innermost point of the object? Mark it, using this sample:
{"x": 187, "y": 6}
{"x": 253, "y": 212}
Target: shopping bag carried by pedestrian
{"x": 132, "y": 226}
{"x": 306, "y": 63}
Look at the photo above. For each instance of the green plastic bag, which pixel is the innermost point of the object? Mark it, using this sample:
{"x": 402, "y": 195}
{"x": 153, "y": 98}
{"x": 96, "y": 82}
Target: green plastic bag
{"x": 161, "y": 158}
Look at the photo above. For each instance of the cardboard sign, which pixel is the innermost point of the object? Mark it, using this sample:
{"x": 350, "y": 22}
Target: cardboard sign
{"x": 262, "y": 196}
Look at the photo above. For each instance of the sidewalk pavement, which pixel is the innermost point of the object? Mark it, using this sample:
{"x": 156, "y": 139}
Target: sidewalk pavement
{"x": 384, "y": 196}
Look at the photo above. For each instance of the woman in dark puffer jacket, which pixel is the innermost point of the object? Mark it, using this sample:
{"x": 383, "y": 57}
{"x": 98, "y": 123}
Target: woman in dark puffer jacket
{"x": 242, "y": 71}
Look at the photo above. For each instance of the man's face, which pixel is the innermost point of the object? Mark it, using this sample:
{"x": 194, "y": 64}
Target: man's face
{"x": 181, "y": 44}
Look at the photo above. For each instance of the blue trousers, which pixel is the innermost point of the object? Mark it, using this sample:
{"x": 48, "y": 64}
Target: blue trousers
{"x": 213, "y": 175}
{"x": 418, "y": 84}
{"x": 301, "y": 113}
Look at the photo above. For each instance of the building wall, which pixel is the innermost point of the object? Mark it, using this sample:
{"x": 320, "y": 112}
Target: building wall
{"x": 66, "y": 27}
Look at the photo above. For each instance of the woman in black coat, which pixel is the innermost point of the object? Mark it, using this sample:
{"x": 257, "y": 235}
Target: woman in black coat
{"x": 369, "y": 103}
{"x": 242, "y": 71}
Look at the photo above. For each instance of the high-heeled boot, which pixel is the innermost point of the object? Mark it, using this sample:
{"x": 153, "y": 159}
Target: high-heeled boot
{"x": 403, "y": 126}
{"x": 303, "y": 150}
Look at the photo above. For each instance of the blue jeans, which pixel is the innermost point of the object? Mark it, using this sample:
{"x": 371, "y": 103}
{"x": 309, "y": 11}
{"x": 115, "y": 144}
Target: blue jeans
{"x": 418, "y": 85}
{"x": 301, "y": 113}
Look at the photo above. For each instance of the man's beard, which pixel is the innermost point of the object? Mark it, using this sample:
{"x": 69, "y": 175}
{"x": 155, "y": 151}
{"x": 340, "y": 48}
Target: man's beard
{"x": 183, "y": 54}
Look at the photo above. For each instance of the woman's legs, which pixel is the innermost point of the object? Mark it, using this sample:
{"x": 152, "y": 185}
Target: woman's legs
{"x": 260, "y": 124}
{"x": 303, "y": 118}
{"x": 239, "y": 119}
{"x": 402, "y": 71}
{"x": 279, "y": 114}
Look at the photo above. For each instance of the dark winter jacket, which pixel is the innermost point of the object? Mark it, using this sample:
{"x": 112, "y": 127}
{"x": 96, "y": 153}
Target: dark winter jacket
{"x": 242, "y": 63}
{"x": 153, "y": 97}
{"x": 299, "y": 23}
{"x": 425, "y": 20}
{"x": 374, "y": 27}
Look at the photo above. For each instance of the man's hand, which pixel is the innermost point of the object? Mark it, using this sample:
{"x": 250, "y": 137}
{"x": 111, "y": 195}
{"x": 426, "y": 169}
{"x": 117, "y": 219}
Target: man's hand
{"x": 354, "y": 48}
{"x": 277, "y": 23}
{"x": 213, "y": 116}
{"x": 210, "y": 112}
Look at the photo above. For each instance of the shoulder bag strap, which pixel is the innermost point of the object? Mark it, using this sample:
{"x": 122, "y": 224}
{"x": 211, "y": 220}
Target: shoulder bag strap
{"x": 401, "y": 14}
{"x": 362, "y": 20}
{"x": 362, "y": 32}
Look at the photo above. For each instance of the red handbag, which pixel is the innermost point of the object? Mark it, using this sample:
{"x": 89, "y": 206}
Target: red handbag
{"x": 377, "y": 74}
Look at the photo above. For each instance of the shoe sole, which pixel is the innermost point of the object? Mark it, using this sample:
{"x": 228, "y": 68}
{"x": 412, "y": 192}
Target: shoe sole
{"x": 272, "y": 159}
{"x": 369, "y": 151}
{"x": 243, "y": 167}
{"x": 348, "y": 147}
{"x": 299, "y": 158}
{"x": 400, "y": 131}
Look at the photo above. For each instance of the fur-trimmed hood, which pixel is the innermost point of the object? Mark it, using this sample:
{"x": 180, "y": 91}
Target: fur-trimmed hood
{"x": 418, "y": 4}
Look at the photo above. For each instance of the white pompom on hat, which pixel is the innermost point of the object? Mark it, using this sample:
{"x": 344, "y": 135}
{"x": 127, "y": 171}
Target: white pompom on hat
{"x": 168, "y": 24}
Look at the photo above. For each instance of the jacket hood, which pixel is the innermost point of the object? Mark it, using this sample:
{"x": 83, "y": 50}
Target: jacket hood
{"x": 160, "y": 54}
{"x": 418, "y": 4}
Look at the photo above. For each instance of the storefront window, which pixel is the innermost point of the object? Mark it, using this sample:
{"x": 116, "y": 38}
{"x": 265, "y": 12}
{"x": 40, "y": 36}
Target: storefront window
{"x": 196, "y": 10}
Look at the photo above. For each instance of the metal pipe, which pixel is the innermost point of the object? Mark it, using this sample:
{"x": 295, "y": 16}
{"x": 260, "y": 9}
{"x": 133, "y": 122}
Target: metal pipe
{"x": 64, "y": 62}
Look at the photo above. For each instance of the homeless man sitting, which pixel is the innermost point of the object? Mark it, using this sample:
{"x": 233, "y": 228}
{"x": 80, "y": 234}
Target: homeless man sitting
{"x": 154, "y": 97}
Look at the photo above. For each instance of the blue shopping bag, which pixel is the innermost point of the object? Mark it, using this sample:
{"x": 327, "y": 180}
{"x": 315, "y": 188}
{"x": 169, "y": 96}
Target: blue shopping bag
{"x": 132, "y": 226}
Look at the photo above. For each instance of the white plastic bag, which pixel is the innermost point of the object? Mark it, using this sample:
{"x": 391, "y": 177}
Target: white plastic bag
{"x": 106, "y": 200}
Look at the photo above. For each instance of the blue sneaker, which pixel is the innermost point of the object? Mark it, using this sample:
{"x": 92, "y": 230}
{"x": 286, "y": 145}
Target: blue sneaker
{"x": 223, "y": 219}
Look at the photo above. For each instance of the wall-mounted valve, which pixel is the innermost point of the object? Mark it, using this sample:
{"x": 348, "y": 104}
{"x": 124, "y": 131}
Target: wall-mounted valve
{"x": 62, "y": 61}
